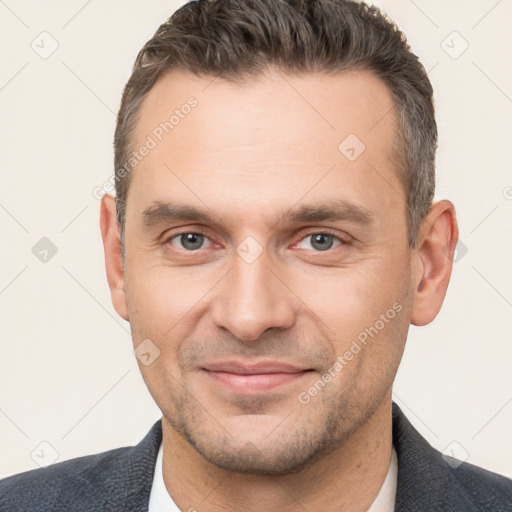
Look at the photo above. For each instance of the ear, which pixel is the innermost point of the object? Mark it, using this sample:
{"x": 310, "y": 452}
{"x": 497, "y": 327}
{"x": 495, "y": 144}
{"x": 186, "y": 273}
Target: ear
{"x": 437, "y": 239}
{"x": 113, "y": 257}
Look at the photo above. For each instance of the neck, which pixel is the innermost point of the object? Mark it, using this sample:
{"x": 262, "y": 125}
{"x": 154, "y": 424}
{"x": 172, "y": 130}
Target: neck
{"x": 348, "y": 479}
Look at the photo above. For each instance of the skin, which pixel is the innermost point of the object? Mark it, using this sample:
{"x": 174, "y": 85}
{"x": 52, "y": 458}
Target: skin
{"x": 248, "y": 154}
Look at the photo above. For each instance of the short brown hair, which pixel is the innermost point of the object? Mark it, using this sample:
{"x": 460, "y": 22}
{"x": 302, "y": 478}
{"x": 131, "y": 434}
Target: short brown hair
{"x": 236, "y": 39}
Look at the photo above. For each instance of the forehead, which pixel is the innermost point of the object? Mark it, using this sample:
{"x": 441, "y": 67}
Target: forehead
{"x": 355, "y": 100}
{"x": 275, "y": 135}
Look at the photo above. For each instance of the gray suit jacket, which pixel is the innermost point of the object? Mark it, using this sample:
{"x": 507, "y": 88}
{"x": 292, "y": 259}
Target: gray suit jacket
{"x": 121, "y": 479}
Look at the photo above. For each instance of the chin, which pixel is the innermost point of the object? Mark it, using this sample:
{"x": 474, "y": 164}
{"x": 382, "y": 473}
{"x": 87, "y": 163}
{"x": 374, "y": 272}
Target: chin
{"x": 249, "y": 459}
{"x": 264, "y": 451}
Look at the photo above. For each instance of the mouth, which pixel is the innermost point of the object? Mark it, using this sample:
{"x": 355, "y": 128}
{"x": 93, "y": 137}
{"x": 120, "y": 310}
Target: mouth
{"x": 254, "y": 378}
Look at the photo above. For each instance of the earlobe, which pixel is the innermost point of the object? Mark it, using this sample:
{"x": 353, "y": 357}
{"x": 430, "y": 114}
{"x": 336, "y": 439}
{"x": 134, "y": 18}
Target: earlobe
{"x": 113, "y": 257}
{"x": 437, "y": 239}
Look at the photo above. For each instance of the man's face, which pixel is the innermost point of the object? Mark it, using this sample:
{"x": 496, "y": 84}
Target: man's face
{"x": 299, "y": 268}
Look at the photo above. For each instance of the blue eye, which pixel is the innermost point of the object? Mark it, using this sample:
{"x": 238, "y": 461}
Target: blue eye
{"x": 321, "y": 241}
{"x": 189, "y": 241}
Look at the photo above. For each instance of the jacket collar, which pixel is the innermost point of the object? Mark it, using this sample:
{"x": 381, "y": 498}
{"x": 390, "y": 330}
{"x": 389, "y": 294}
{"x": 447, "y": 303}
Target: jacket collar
{"x": 425, "y": 480}
{"x": 136, "y": 468}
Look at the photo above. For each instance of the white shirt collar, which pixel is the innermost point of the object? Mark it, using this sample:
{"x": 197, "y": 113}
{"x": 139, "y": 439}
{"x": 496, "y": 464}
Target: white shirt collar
{"x": 160, "y": 500}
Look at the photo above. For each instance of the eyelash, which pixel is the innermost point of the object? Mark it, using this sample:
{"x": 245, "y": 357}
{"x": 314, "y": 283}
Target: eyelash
{"x": 325, "y": 231}
{"x": 197, "y": 231}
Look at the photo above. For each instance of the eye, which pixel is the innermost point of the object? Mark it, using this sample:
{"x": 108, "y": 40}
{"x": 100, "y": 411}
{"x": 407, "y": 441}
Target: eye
{"x": 189, "y": 241}
{"x": 320, "y": 241}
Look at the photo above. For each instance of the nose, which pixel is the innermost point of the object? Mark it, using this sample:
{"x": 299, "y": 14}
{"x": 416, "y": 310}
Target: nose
{"x": 252, "y": 299}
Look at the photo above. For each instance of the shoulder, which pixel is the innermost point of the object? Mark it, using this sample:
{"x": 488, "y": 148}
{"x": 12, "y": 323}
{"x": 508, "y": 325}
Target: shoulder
{"x": 87, "y": 483}
{"x": 426, "y": 476}
{"x": 42, "y": 487}
{"x": 481, "y": 483}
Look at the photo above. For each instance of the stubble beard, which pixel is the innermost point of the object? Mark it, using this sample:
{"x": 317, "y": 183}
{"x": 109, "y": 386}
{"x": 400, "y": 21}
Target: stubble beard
{"x": 308, "y": 434}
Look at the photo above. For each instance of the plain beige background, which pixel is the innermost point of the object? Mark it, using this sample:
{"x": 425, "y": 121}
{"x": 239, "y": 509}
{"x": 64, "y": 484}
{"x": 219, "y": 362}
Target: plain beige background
{"x": 68, "y": 377}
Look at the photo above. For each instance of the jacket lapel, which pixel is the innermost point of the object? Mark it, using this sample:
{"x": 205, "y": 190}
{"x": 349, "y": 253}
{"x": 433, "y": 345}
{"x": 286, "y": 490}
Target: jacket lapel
{"x": 425, "y": 480}
{"x": 128, "y": 486}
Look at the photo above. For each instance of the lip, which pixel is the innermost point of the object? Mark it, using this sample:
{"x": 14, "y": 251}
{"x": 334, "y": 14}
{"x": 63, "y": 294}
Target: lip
{"x": 250, "y": 368}
{"x": 253, "y": 378}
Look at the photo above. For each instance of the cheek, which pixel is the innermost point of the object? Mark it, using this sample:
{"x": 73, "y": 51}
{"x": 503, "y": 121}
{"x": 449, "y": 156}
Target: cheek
{"x": 158, "y": 314}
{"x": 351, "y": 298}
{"x": 165, "y": 304}
{"x": 365, "y": 312}
{"x": 149, "y": 305}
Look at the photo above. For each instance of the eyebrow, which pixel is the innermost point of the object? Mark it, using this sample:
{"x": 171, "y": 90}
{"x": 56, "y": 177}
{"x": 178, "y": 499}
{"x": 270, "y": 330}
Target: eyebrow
{"x": 160, "y": 212}
{"x": 330, "y": 211}
{"x": 164, "y": 212}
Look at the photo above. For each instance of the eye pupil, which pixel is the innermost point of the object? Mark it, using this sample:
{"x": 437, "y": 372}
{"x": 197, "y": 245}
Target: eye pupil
{"x": 191, "y": 240}
{"x": 321, "y": 241}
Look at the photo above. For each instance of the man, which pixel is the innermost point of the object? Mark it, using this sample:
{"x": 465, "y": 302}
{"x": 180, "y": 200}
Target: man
{"x": 272, "y": 238}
